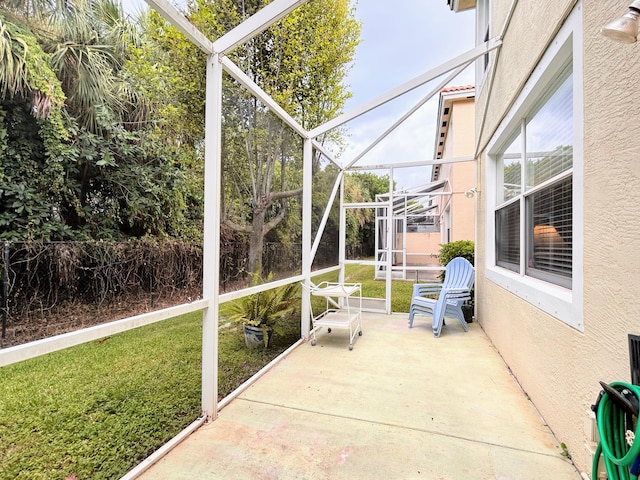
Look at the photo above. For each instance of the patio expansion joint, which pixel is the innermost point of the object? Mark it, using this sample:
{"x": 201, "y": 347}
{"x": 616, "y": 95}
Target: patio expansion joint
{"x": 401, "y": 427}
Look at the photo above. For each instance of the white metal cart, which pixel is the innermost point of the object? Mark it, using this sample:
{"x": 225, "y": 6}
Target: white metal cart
{"x": 343, "y": 308}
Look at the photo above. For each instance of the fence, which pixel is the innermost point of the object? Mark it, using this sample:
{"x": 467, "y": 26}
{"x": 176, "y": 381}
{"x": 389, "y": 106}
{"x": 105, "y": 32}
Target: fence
{"x": 50, "y": 288}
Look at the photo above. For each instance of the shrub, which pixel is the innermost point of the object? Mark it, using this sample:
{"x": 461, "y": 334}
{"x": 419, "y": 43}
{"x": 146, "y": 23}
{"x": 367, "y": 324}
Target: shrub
{"x": 266, "y": 309}
{"x": 459, "y": 248}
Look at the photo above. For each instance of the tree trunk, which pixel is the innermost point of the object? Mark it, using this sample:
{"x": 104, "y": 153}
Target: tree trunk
{"x": 256, "y": 245}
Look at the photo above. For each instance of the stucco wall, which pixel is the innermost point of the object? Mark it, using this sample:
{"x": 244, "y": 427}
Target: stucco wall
{"x": 460, "y": 142}
{"x": 462, "y": 174}
{"x": 558, "y": 366}
{"x": 422, "y": 248}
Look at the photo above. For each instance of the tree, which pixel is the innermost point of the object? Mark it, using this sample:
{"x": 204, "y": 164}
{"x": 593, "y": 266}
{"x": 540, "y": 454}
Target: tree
{"x": 363, "y": 187}
{"x": 81, "y": 159}
{"x": 31, "y": 126}
{"x": 301, "y": 62}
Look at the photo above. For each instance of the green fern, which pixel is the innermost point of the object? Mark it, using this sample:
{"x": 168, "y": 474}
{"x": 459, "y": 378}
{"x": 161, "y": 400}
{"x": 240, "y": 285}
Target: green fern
{"x": 265, "y": 309}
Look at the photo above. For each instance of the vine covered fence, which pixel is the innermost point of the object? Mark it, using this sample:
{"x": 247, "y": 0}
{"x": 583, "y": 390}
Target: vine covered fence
{"x": 51, "y": 288}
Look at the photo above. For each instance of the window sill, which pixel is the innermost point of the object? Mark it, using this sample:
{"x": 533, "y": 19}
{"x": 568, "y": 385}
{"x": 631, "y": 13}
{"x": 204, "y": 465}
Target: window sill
{"x": 551, "y": 299}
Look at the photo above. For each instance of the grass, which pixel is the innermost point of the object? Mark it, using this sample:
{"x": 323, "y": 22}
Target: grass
{"x": 237, "y": 363}
{"x": 96, "y": 410}
{"x": 401, "y": 290}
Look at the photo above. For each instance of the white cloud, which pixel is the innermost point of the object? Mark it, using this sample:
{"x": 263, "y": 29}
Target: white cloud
{"x": 403, "y": 39}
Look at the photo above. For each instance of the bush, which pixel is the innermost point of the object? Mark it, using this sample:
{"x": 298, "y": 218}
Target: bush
{"x": 266, "y": 309}
{"x": 460, "y": 248}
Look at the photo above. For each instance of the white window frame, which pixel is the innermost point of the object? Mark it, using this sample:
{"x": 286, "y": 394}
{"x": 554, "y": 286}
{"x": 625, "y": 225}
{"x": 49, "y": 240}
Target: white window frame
{"x": 562, "y": 303}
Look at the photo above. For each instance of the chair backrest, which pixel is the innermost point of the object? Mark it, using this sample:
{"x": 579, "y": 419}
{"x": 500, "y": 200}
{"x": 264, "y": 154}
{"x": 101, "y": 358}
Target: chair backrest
{"x": 459, "y": 273}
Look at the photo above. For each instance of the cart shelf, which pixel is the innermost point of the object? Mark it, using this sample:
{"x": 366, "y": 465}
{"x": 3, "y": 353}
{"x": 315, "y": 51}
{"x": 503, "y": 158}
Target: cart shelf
{"x": 343, "y": 308}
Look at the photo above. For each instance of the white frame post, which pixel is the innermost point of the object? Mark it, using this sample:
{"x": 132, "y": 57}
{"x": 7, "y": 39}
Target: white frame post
{"x": 343, "y": 232}
{"x": 211, "y": 244}
{"x": 390, "y": 250}
{"x": 307, "y": 199}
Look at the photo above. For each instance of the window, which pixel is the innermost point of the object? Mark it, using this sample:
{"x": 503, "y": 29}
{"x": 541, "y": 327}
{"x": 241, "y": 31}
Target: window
{"x": 549, "y": 233}
{"x": 508, "y": 237}
{"x": 534, "y": 175}
{"x": 534, "y": 183}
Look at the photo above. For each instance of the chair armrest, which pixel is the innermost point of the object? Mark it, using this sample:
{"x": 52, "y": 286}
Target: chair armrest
{"x": 457, "y": 289}
{"x": 421, "y": 289}
{"x": 458, "y": 293}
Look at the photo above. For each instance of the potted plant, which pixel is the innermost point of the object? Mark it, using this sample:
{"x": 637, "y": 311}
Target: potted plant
{"x": 261, "y": 313}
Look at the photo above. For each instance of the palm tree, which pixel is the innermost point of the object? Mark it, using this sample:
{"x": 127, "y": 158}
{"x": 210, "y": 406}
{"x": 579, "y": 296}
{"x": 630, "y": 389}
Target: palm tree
{"x": 25, "y": 70}
{"x": 86, "y": 43}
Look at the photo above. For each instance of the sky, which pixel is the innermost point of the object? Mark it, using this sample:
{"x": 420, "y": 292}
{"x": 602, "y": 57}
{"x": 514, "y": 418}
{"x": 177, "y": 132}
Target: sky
{"x": 399, "y": 41}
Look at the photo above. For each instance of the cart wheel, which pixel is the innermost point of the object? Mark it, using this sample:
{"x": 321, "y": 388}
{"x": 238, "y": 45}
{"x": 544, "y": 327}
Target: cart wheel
{"x": 313, "y": 343}
{"x": 351, "y": 346}
{"x": 360, "y": 333}
{"x": 328, "y": 330}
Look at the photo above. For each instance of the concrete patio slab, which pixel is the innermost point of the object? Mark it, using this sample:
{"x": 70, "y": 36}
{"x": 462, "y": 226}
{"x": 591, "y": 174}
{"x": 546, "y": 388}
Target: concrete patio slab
{"x": 402, "y": 404}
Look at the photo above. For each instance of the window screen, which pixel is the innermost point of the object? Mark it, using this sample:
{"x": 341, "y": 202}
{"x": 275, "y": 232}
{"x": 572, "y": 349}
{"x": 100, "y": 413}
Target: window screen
{"x": 549, "y": 135}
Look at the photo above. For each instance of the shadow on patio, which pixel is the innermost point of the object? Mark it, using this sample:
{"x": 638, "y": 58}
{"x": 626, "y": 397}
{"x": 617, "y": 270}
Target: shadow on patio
{"x": 402, "y": 404}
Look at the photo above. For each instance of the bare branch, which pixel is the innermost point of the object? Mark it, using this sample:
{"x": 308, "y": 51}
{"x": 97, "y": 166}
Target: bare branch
{"x": 236, "y": 226}
{"x": 286, "y": 194}
{"x": 274, "y": 221}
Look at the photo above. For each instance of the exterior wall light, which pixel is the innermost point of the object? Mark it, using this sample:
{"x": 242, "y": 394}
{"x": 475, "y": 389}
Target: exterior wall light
{"x": 625, "y": 28}
{"x": 471, "y": 192}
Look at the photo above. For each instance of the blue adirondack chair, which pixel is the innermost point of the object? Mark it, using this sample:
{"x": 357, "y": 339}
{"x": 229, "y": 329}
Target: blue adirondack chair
{"x": 459, "y": 278}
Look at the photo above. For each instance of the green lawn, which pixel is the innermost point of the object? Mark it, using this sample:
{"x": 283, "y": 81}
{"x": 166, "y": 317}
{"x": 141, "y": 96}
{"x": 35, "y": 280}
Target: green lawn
{"x": 400, "y": 291}
{"x": 96, "y": 410}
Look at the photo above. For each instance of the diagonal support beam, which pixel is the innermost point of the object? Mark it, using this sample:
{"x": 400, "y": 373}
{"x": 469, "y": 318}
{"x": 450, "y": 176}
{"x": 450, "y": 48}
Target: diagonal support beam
{"x": 426, "y": 77}
{"x": 325, "y": 216}
{"x": 413, "y": 110}
{"x": 255, "y": 24}
{"x": 261, "y": 95}
{"x": 327, "y": 154}
{"x": 175, "y": 18}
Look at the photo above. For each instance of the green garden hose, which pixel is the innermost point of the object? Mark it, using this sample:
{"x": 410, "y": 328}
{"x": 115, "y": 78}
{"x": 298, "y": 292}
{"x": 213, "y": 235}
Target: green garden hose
{"x": 621, "y": 460}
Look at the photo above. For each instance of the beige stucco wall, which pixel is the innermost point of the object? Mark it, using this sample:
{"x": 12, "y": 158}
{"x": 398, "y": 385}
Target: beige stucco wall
{"x": 462, "y": 174}
{"x": 558, "y": 366}
{"x": 460, "y": 142}
{"x": 422, "y": 248}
